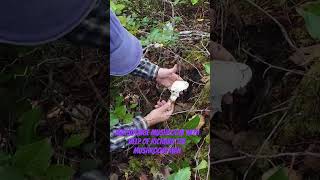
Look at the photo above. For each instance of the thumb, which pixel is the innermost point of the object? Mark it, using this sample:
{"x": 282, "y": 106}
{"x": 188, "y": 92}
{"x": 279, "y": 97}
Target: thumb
{"x": 166, "y": 106}
{"x": 174, "y": 69}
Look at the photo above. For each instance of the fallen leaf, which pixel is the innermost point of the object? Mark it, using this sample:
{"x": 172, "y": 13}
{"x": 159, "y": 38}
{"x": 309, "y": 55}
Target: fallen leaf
{"x": 82, "y": 112}
{"x": 55, "y": 112}
{"x": 201, "y": 122}
{"x": 310, "y": 54}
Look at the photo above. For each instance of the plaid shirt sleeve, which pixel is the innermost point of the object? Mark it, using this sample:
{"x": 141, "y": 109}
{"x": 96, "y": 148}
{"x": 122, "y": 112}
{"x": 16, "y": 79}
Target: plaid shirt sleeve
{"x": 146, "y": 70}
{"x": 121, "y": 142}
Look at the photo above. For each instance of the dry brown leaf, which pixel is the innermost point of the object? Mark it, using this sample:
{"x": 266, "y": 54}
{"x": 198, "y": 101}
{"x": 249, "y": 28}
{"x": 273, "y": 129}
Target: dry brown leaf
{"x": 311, "y": 53}
{"x": 82, "y": 112}
{"x": 218, "y": 52}
{"x": 201, "y": 122}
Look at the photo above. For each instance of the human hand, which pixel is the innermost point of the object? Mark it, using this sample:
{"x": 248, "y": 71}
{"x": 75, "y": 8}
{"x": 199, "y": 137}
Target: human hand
{"x": 162, "y": 113}
{"x": 166, "y": 77}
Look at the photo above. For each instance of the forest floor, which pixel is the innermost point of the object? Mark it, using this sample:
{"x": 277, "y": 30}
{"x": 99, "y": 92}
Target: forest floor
{"x": 274, "y": 126}
{"x": 188, "y": 49}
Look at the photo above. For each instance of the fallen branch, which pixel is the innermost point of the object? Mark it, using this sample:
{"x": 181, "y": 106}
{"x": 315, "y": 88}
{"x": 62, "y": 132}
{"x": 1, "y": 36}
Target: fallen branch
{"x": 283, "y": 30}
{"x": 247, "y": 155}
{"x": 188, "y": 111}
{"x": 268, "y": 113}
{"x": 271, "y": 65}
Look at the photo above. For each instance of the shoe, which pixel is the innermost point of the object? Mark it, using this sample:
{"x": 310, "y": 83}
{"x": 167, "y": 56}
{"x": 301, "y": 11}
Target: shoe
{"x": 226, "y": 77}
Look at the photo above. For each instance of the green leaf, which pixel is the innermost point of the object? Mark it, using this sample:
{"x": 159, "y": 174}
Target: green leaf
{"x": 182, "y": 174}
{"x": 59, "y": 172}
{"x": 119, "y": 100}
{"x": 207, "y": 139}
{"x": 128, "y": 118}
{"x": 132, "y": 106}
{"x": 276, "y": 173}
{"x": 202, "y": 165}
{"x": 10, "y": 173}
{"x": 113, "y": 119}
{"x": 207, "y": 67}
{"x": 33, "y": 158}
{"x": 120, "y": 111}
{"x": 185, "y": 163}
{"x": 174, "y": 166}
{"x": 74, "y": 140}
{"x": 311, "y": 14}
{"x": 194, "y": 2}
{"x": 194, "y": 139}
{"x": 26, "y": 132}
{"x": 192, "y": 123}
{"x": 123, "y": 20}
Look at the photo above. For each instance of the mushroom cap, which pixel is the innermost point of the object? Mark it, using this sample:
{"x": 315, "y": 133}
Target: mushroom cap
{"x": 179, "y": 86}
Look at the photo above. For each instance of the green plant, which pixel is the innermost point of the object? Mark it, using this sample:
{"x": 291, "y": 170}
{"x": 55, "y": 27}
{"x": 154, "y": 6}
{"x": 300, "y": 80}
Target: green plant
{"x": 121, "y": 112}
{"x": 184, "y": 174}
{"x": 32, "y": 159}
{"x": 165, "y": 35}
{"x": 207, "y": 67}
{"x": 311, "y": 14}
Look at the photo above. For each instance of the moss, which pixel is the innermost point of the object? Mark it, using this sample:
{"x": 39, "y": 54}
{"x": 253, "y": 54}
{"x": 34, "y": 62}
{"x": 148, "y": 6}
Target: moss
{"x": 195, "y": 55}
{"x": 204, "y": 96}
{"x": 303, "y": 118}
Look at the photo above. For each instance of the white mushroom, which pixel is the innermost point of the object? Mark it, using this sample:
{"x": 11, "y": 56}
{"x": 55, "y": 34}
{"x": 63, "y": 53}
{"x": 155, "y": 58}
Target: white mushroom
{"x": 176, "y": 88}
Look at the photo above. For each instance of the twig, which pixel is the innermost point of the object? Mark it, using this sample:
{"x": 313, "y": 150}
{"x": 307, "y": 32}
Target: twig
{"x": 145, "y": 98}
{"x": 228, "y": 160}
{"x": 190, "y": 33}
{"x": 265, "y": 143}
{"x": 268, "y": 113}
{"x": 188, "y": 111}
{"x": 208, "y": 170}
{"x": 283, "y": 30}
{"x": 186, "y": 62}
{"x": 195, "y": 158}
{"x": 246, "y": 155}
{"x": 201, "y": 84}
{"x": 172, "y": 10}
{"x": 93, "y": 86}
{"x": 273, "y": 66}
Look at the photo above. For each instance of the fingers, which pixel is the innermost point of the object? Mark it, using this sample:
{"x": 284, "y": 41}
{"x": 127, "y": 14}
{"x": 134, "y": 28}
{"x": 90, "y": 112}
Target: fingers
{"x": 170, "y": 111}
{"x": 160, "y": 103}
